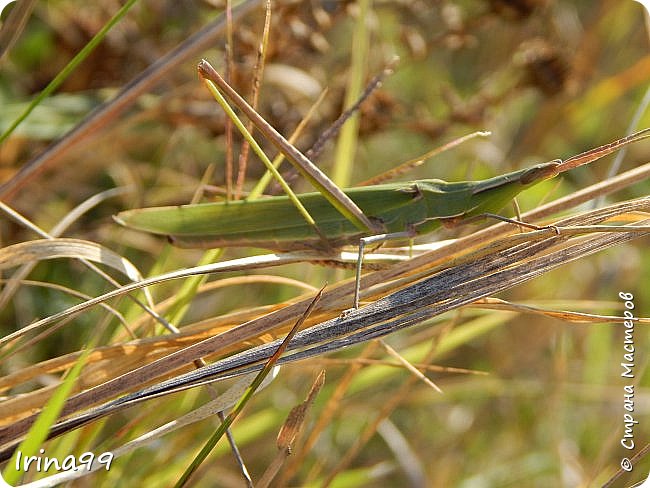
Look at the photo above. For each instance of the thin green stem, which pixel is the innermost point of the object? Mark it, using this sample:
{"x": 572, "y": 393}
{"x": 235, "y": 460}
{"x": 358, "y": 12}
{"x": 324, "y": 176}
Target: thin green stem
{"x": 70, "y": 67}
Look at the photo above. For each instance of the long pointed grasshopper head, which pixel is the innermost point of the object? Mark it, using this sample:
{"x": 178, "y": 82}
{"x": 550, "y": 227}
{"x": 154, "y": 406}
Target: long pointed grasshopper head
{"x": 492, "y": 195}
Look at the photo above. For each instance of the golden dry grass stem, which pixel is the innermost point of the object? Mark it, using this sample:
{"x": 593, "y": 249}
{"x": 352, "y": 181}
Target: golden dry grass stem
{"x": 396, "y": 364}
{"x": 258, "y": 73}
{"x": 409, "y": 165}
{"x": 409, "y": 366}
{"x": 203, "y": 184}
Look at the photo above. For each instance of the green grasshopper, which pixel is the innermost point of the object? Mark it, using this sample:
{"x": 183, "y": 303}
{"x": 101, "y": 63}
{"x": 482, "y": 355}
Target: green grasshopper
{"x": 397, "y": 210}
{"x": 416, "y": 207}
{"x": 401, "y": 209}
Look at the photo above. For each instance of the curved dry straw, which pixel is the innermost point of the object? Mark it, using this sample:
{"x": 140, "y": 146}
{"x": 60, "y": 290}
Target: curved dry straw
{"x": 450, "y": 281}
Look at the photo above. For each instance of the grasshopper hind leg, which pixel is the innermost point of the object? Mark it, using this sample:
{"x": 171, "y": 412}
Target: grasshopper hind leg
{"x": 514, "y": 222}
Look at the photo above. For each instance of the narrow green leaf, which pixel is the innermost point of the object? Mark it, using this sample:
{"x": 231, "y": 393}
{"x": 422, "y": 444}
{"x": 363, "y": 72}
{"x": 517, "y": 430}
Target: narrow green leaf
{"x": 70, "y": 67}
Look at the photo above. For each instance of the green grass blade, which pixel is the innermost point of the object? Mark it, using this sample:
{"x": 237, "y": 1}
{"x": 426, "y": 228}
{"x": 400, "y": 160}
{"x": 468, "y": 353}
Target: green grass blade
{"x": 258, "y": 150}
{"x": 347, "y": 142}
{"x": 309, "y": 170}
{"x": 38, "y": 432}
{"x": 70, "y": 67}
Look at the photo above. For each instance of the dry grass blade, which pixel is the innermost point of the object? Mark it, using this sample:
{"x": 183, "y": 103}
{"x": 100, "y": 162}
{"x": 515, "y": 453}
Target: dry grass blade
{"x": 250, "y": 263}
{"x": 61, "y": 247}
{"x": 32, "y": 251}
{"x": 564, "y": 315}
{"x": 465, "y": 279}
{"x": 257, "y": 80}
{"x": 410, "y": 367}
{"x": 417, "y": 161}
{"x": 399, "y": 365}
{"x": 14, "y": 25}
{"x": 290, "y": 431}
{"x": 132, "y": 272}
{"x": 335, "y": 195}
{"x": 9, "y": 290}
{"x": 16, "y": 348}
{"x": 224, "y": 401}
{"x": 258, "y": 380}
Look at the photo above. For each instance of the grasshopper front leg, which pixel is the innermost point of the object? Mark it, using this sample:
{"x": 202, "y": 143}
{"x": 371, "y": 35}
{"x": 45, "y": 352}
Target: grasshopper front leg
{"x": 363, "y": 242}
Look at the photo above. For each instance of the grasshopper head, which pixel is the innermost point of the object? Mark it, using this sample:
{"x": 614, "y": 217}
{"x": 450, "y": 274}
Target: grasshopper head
{"x": 493, "y": 194}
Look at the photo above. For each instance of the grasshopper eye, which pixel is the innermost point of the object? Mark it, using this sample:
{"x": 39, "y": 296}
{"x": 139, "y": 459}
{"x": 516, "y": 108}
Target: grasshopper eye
{"x": 540, "y": 172}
